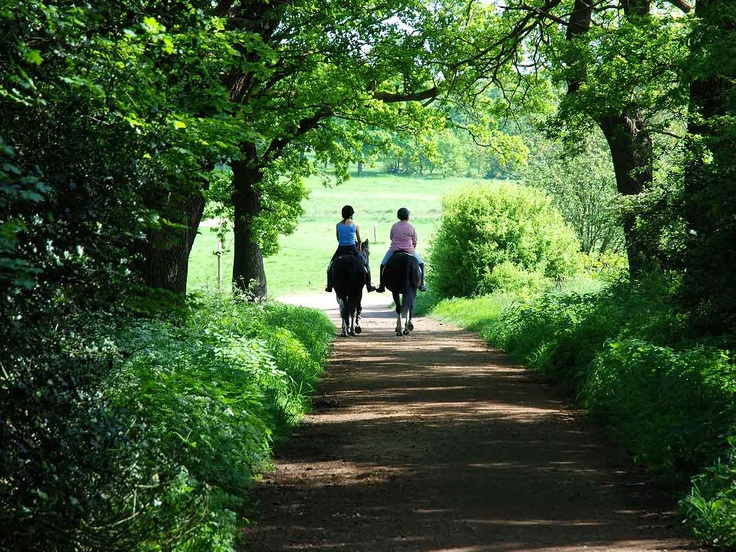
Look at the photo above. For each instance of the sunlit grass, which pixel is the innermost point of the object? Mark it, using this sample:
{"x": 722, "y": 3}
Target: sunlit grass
{"x": 299, "y": 266}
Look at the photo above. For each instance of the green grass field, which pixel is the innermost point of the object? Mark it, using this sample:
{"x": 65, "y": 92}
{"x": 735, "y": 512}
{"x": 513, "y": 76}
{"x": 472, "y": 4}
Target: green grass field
{"x": 299, "y": 266}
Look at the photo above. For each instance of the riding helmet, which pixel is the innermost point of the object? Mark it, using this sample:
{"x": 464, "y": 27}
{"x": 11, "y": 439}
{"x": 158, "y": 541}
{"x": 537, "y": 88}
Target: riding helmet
{"x": 403, "y": 213}
{"x": 347, "y": 212}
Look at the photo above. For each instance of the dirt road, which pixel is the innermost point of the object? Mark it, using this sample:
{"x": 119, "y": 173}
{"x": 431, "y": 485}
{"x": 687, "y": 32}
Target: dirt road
{"x": 436, "y": 442}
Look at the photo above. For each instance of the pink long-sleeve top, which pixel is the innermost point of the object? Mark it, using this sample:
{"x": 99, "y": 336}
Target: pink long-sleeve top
{"x": 403, "y": 237}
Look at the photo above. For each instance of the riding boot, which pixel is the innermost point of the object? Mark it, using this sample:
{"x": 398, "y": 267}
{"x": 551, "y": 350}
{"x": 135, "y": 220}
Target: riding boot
{"x": 368, "y": 284}
{"x": 381, "y": 288}
{"x": 328, "y": 287}
{"x": 422, "y": 287}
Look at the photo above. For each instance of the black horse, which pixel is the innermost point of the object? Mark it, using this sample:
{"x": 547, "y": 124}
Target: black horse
{"x": 348, "y": 279}
{"x": 402, "y": 276}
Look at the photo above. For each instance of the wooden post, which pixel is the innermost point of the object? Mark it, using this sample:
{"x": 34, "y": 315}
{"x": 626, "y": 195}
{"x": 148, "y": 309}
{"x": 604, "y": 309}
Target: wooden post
{"x": 219, "y": 264}
{"x": 375, "y": 239}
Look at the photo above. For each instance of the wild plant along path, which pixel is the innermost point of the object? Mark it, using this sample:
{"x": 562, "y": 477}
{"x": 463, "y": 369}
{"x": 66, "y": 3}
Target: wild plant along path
{"x": 436, "y": 442}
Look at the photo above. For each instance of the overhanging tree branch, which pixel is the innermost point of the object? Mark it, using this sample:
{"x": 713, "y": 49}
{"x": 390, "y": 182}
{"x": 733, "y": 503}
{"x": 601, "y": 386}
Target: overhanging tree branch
{"x": 305, "y": 125}
{"x": 390, "y": 97}
{"x": 684, "y": 6}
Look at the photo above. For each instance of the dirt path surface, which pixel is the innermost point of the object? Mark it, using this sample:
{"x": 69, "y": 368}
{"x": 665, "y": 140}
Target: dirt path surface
{"x": 436, "y": 442}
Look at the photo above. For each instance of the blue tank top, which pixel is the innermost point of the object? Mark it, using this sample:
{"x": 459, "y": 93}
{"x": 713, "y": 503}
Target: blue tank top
{"x": 345, "y": 234}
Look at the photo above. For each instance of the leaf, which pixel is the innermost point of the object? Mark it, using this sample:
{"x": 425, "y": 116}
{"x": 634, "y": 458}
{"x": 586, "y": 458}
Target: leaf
{"x": 33, "y": 56}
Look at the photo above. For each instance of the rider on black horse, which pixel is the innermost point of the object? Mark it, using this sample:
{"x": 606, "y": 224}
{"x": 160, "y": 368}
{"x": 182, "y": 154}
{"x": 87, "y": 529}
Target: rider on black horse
{"x": 403, "y": 238}
{"x": 349, "y": 243}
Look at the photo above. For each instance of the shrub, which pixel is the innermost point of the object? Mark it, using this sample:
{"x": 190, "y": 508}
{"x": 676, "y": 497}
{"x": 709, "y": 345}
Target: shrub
{"x": 147, "y": 434}
{"x": 560, "y": 334}
{"x": 669, "y": 408}
{"x": 210, "y": 396}
{"x": 710, "y": 506}
{"x": 510, "y": 227}
{"x": 511, "y": 278}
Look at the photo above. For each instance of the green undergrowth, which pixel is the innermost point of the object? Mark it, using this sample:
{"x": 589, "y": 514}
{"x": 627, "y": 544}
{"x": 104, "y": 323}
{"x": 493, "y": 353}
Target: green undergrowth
{"x": 167, "y": 423}
{"x": 205, "y": 398}
{"x": 623, "y": 353}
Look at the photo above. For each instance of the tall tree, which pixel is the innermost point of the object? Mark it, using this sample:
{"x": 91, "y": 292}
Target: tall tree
{"x": 620, "y": 72}
{"x": 305, "y": 65}
{"x": 709, "y": 199}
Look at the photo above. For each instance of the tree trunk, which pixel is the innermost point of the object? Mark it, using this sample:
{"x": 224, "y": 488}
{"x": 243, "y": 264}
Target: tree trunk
{"x": 709, "y": 201}
{"x": 249, "y": 275}
{"x": 628, "y": 139}
{"x": 631, "y": 151}
{"x": 360, "y": 167}
{"x": 166, "y": 250}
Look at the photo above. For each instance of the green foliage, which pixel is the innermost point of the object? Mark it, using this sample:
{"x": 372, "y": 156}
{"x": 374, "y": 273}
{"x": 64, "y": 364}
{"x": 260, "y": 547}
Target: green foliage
{"x": 511, "y": 278}
{"x": 560, "y": 334}
{"x": 507, "y": 230}
{"x": 66, "y": 454}
{"x": 669, "y": 408}
{"x": 709, "y": 206}
{"x": 627, "y": 63}
{"x": 710, "y": 506}
{"x": 583, "y": 187}
{"x": 147, "y": 434}
{"x": 282, "y": 193}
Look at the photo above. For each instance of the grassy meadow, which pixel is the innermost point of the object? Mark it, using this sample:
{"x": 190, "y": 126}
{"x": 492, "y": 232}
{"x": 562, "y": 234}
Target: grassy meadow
{"x": 299, "y": 266}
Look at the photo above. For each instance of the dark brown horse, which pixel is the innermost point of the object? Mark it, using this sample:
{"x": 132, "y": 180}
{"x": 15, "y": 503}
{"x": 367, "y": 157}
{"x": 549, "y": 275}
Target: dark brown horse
{"x": 348, "y": 279}
{"x": 402, "y": 276}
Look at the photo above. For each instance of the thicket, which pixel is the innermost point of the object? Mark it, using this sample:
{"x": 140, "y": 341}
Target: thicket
{"x": 147, "y": 433}
{"x": 500, "y": 237}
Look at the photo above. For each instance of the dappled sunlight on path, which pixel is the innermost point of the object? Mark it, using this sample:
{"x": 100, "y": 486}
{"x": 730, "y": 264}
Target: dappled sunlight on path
{"x": 432, "y": 442}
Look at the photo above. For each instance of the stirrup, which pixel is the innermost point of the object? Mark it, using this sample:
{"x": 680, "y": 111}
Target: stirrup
{"x": 381, "y": 288}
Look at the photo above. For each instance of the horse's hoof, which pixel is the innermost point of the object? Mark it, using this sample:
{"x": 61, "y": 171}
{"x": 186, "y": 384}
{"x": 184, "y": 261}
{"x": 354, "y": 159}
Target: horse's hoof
{"x": 358, "y": 329}
{"x": 410, "y": 327}
{"x": 399, "y": 334}
{"x": 406, "y": 331}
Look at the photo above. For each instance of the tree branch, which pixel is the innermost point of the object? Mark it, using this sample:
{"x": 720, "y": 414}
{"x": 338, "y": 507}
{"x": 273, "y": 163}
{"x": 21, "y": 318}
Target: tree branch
{"x": 684, "y": 6}
{"x": 277, "y": 146}
{"x": 390, "y": 97}
{"x": 223, "y": 8}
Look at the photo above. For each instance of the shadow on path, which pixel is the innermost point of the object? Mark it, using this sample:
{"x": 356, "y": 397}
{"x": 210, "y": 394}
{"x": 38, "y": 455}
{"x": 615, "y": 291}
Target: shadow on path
{"x": 433, "y": 441}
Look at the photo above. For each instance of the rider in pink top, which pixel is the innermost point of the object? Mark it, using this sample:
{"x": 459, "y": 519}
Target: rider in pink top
{"x": 403, "y": 238}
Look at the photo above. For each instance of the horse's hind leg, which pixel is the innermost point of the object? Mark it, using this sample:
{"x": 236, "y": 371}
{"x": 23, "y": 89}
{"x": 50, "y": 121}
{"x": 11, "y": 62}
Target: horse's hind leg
{"x": 344, "y": 332}
{"x": 358, "y": 329}
{"x": 397, "y": 302}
